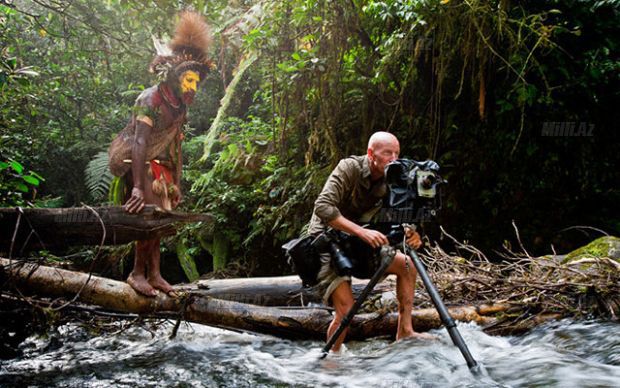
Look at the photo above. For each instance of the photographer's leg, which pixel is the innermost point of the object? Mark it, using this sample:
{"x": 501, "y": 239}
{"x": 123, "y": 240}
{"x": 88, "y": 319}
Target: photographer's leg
{"x": 405, "y": 272}
{"x": 342, "y": 300}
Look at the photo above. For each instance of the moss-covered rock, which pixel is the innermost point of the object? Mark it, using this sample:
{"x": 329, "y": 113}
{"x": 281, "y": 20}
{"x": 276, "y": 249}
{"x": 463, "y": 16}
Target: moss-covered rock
{"x": 608, "y": 246}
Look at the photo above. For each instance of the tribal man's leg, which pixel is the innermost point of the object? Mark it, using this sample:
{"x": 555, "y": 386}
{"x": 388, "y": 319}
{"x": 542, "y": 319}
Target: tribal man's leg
{"x": 137, "y": 278}
{"x": 154, "y": 274}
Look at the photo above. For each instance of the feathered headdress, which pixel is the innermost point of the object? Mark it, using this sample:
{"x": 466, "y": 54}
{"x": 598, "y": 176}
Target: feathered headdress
{"x": 186, "y": 51}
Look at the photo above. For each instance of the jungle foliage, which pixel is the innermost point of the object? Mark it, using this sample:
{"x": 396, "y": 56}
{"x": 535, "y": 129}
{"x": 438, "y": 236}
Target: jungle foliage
{"x": 482, "y": 86}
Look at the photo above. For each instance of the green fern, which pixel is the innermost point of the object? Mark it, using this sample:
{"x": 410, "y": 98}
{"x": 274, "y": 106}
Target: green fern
{"x": 98, "y": 177}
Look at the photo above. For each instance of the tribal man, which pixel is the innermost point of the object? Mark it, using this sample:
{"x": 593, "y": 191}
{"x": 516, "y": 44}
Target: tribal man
{"x": 147, "y": 152}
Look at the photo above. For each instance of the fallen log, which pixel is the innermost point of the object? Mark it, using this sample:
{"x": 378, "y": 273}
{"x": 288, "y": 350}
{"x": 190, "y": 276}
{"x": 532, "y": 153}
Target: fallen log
{"x": 293, "y": 323}
{"x": 26, "y": 229}
{"x": 271, "y": 291}
{"x": 34, "y": 279}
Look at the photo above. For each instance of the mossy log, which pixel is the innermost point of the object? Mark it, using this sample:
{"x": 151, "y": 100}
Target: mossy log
{"x": 27, "y": 229}
{"x": 195, "y": 306}
{"x": 605, "y": 248}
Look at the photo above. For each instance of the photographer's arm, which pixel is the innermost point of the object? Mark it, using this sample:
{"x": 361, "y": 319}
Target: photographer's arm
{"x": 336, "y": 190}
{"x": 371, "y": 237}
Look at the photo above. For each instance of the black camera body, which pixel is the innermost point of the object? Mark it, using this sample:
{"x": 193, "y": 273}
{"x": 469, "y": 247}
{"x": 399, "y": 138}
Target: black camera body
{"x": 414, "y": 194}
{"x": 331, "y": 242}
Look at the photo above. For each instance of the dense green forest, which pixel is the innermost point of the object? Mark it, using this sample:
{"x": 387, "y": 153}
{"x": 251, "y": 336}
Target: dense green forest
{"x": 517, "y": 101}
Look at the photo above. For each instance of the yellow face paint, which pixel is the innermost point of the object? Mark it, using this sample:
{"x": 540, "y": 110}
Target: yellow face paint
{"x": 189, "y": 81}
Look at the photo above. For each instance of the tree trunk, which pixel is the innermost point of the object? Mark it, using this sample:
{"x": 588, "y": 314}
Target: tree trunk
{"x": 220, "y": 250}
{"x": 62, "y": 227}
{"x": 197, "y": 306}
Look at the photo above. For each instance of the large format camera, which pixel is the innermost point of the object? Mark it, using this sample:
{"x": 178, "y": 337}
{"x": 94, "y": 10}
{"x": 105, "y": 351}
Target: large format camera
{"x": 414, "y": 197}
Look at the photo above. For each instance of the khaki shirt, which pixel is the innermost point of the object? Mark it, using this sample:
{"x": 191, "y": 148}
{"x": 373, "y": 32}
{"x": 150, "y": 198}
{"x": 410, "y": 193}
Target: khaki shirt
{"x": 350, "y": 192}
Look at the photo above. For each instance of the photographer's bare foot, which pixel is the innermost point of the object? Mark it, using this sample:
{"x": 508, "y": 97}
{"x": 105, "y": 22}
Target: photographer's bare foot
{"x": 159, "y": 283}
{"x": 415, "y": 335}
{"x": 140, "y": 285}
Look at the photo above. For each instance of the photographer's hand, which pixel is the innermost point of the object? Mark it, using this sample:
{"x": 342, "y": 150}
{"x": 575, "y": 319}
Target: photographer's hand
{"x": 371, "y": 237}
{"x": 413, "y": 238}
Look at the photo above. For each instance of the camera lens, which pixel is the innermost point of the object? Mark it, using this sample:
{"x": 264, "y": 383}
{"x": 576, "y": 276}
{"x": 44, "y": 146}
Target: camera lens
{"x": 343, "y": 265}
{"x": 429, "y": 181}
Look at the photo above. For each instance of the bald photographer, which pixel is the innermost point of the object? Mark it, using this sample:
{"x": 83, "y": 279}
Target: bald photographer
{"x": 353, "y": 193}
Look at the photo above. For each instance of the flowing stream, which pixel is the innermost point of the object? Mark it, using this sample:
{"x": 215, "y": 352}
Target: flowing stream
{"x": 558, "y": 354}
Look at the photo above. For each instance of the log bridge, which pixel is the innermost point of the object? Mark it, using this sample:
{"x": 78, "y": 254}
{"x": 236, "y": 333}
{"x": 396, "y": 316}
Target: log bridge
{"x": 205, "y": 302}
{"x": 27, "y": 229}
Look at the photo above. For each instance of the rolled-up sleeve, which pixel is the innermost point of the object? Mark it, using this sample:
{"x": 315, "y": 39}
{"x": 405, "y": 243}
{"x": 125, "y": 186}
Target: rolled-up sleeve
{"x": 336, "y": 190}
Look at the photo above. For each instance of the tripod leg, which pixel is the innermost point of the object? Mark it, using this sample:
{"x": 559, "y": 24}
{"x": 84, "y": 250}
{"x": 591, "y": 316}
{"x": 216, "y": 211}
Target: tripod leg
{"x": 442, "y": 310}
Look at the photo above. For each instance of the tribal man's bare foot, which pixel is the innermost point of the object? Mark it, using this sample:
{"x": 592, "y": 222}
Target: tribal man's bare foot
{"x": 415, "y": 335}
{"x": 159, "y": 283}
{"x": 140, "y": 285}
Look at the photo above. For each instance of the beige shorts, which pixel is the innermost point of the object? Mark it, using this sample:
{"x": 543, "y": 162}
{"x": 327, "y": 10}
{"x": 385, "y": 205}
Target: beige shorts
{"x": 329, "y": 279}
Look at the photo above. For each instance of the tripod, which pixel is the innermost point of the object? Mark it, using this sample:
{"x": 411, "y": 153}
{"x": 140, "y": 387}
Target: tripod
{"x": 447, "y": 320}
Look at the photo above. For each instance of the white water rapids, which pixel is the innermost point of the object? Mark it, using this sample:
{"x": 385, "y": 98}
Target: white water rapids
{"x": 559, "y": 354}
